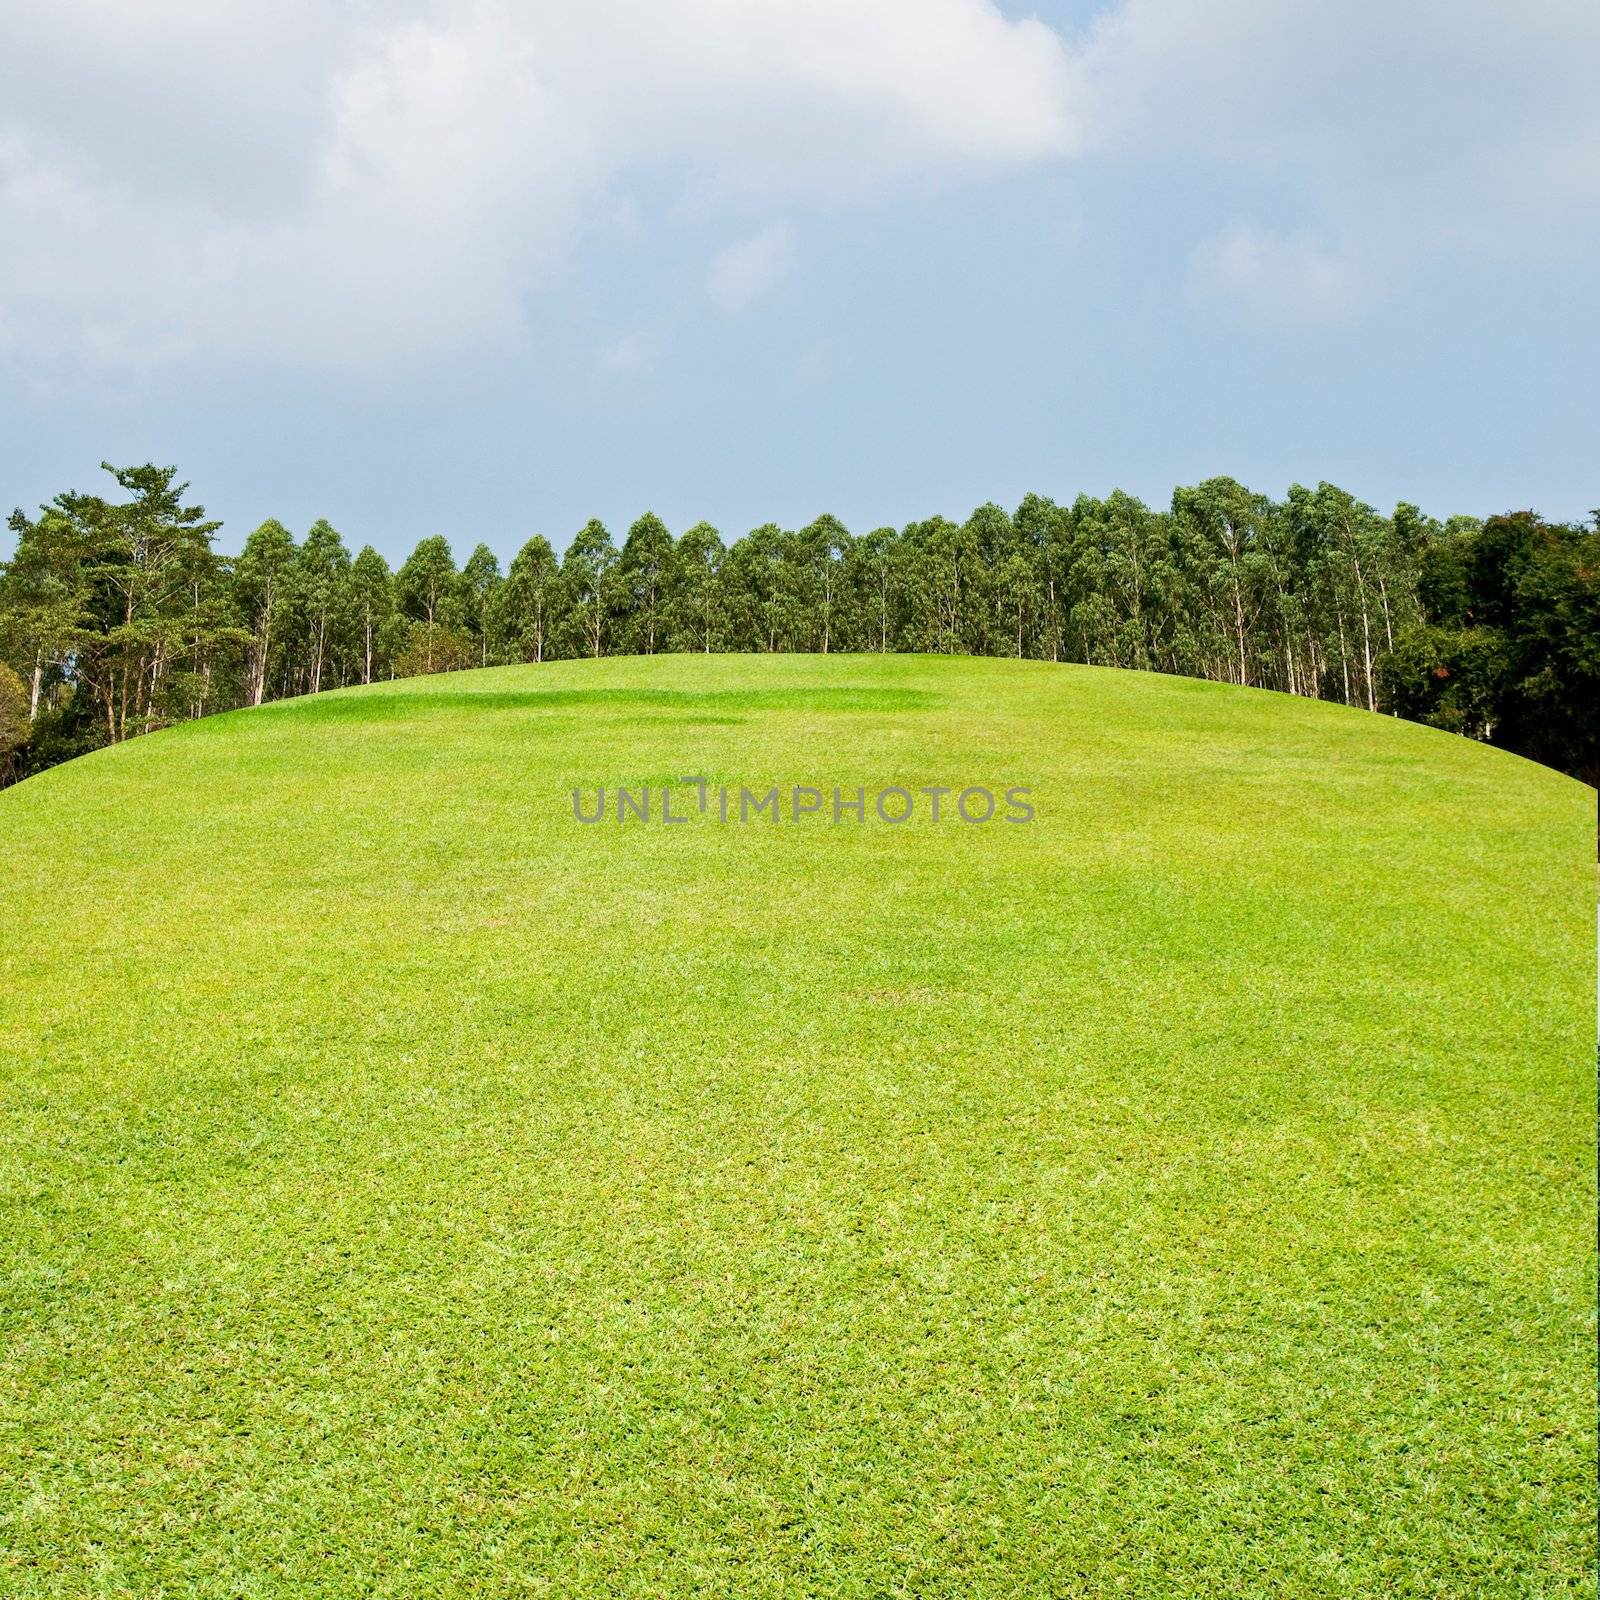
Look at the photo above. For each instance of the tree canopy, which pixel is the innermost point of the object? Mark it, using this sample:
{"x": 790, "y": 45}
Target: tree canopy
{"x": 118, "y": 616}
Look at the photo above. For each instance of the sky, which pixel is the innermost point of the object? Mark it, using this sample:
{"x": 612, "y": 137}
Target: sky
{"x": 490, "y": 269}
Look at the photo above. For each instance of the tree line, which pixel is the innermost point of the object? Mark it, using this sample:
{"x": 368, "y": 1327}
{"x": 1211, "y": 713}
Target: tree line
{"x": 118, "y": 615}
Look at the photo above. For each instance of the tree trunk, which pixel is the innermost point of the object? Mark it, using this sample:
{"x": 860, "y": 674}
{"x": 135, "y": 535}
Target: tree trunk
{"x": 261, "y": 663}
{"x": 1238, "y": 623}
{"x": 157, "y": 665}
{"x": 1344, "y": 659}
{"x": 1366, "y": 642}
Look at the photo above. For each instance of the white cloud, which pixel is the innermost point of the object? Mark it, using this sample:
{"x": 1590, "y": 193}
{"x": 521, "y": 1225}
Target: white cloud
{"x": 355, "y": 188}
{"x": 748, "y": 271}
{"x": 1458, "y": 125}
{"x": 1368, "y": 135}
{"x": 306, "y": 184}
{"x": 1288, "y": 278}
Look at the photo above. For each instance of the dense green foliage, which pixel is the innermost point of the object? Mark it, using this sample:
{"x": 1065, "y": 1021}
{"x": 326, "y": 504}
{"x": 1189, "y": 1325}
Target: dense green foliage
{"x": 413, "y": 1193}
{"x": 1509, "y": 650}
{"x": 121, "y": 617}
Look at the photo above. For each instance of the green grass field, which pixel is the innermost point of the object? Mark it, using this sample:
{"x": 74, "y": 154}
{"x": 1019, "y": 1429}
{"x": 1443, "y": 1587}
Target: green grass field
{"x": 409, "y": 1191}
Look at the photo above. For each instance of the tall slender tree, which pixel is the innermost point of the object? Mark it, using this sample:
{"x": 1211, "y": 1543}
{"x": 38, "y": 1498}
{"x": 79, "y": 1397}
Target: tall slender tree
{"x": 696, "y": 606}
{"x": 1218, "y": 526}
{"x": 527, "y": 606}
{"x": 643, "y": 575}
{"x": 263, "y": 589}
{"x": 589, "y": 573}
{"x": 371, "y": 607}
{"x": 821, "y": 551}
{"x": 874, "y": 573}
{"x": 322, "y": 589}
{"x": 428, "y": 588}
{"x": 480, "y": 578}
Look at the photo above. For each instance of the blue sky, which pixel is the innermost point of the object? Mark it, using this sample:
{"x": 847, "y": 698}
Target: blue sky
{"x": 488, "y": 270}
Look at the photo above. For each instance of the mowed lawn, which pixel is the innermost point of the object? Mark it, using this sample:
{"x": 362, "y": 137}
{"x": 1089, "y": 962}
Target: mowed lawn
{"x": 409, "y": 1191}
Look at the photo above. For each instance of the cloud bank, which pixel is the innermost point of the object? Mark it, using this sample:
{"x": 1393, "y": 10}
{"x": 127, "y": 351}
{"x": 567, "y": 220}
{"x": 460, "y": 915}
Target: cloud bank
{"x": 333, "y": 185}
{"x": 360, "y": 189}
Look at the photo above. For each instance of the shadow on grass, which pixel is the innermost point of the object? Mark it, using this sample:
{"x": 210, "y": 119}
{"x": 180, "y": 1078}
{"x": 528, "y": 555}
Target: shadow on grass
{"x": 419, "y": 703}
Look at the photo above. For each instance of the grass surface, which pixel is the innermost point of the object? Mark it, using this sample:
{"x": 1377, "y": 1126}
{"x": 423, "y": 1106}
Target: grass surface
{"x": 410, "y": 1192}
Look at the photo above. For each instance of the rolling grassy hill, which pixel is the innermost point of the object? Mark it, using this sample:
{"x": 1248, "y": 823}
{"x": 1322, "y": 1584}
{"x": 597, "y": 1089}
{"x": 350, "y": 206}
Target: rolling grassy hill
{"x": 410, "y": 1191}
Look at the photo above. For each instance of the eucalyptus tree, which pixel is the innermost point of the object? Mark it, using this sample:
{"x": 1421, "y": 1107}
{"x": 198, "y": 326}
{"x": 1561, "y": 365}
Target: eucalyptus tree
{"x": 1132, "y": 586}
{"x": 874, "y": 577}
{"x": 480, "y": 578}
{"x": 527, "y": 606}
{"x": 1017, "y": 599}
{"x": 263, "y": 595}
{"x": 643, "y": 576}
{"x": 1402, "y": 540}
{"x": 372, "y": 605}
{"x": 322, "y": 590}
{"x": 820, "y": 552}
{"x": 1288, "y": 653}
{"x": 1217, "y": 526}
{"x": 1100, "y": 636}
{"x": 1039, "y": 538}
{"x": 696, "y": 603}
{"x": 393, "y": 644}
{"x": 208, "y": 676}
{"x": 991, "y": 538}
{"x": 589, "y": 575}
{"x": 944, "y": 585}
{"x": 1347, "y": 548}
{"x": 428, "y": 588}
{"x": 762, "y": 605}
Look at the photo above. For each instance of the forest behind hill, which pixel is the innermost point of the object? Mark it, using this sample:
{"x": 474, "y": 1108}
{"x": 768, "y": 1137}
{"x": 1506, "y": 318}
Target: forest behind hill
{"x": 119, "y": 615}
